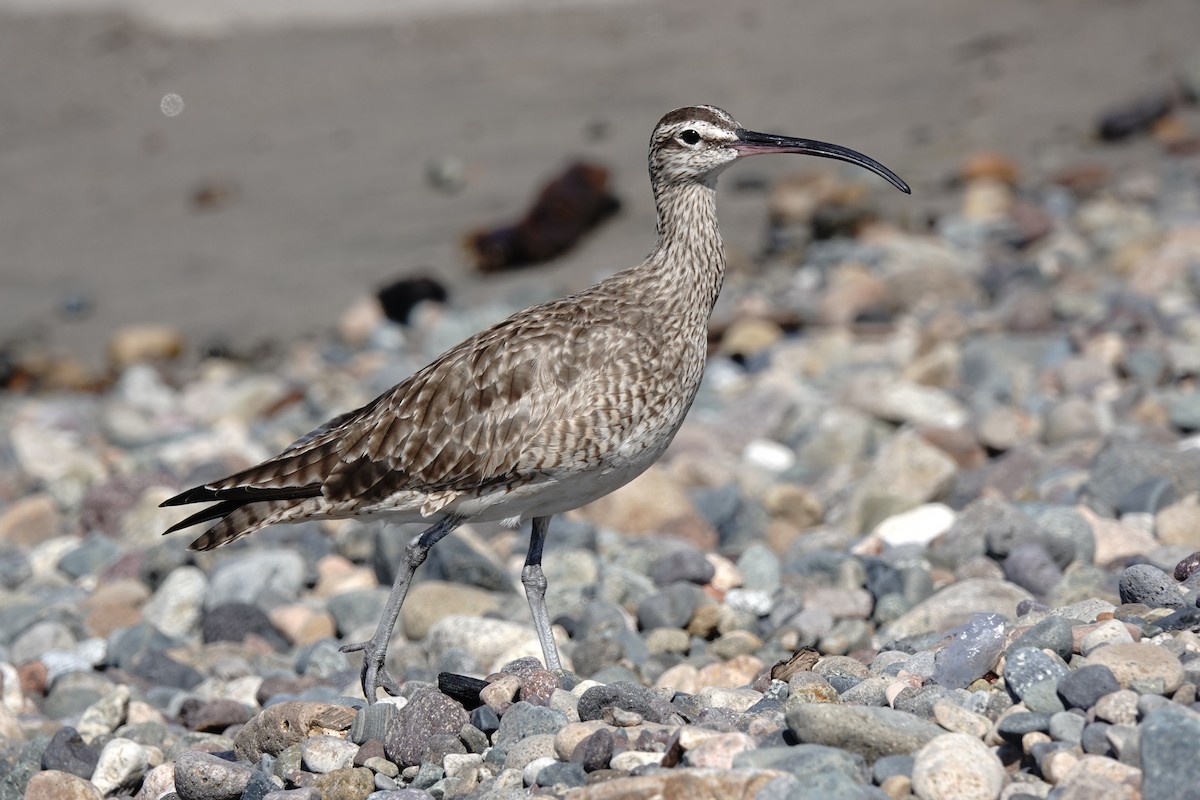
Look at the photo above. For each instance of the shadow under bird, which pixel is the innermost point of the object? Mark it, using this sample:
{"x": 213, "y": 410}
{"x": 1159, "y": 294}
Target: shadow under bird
{"x": 544, "y": 412}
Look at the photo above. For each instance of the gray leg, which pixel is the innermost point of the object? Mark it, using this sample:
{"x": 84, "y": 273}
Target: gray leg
{"x": 535, "y": 591}
{"x": 374, "y": 673}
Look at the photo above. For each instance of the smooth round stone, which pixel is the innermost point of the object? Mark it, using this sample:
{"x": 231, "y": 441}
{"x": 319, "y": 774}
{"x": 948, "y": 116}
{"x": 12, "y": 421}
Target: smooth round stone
{"x": 1141, "y": 664}
{"x": 1065, "y": 530}
{"x": 176, "y": 606}
{"x": 57, "y": 785}
{"x": 870, "y": 732}
{"x": 670, "y": 608}
{"x": 760, "y": 568}
{"x": 1118, "y": 708}
{"x": 667, "y": 640}
{"x": 956, "y": 766}
{"x": 1110, "y": 631}
{"x": 40, "y": 638}
{"x": 954, "y": 606}
{"x": 323, "y": 754}
{"x": 528, "y": 750}
{"x": 685, "y": 564}
{"x": 1081, "y": 688}
{"x": 1031, "y": 566}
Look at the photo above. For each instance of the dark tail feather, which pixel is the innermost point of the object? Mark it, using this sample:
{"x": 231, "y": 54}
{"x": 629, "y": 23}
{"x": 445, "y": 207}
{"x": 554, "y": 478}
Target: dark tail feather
{"x": 212, "y": 512}
{"x": 241, "y": 495}
{"x": 241, "y": 521}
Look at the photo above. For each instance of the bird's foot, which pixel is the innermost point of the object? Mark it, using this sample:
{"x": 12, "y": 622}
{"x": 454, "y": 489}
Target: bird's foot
{"x": 374, "y": 673}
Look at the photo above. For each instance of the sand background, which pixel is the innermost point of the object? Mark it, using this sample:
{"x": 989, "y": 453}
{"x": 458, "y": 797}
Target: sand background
{"x": 320, "y": 118}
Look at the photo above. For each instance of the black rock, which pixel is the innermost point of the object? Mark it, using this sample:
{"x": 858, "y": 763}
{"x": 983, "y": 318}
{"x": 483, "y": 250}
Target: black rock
{"x": 233, "y": 622}
{"x": 67, "y": 752}
{"x": 485, "y": 719}
{"x": 462, "y": 688}
{"x": 399, "y": 298}
{"x": 1081, "y": 688}
{"x": 594, "y": 751}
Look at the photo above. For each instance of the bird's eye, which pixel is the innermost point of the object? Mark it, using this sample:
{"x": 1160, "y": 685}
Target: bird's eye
{"x": 689, "y": 136}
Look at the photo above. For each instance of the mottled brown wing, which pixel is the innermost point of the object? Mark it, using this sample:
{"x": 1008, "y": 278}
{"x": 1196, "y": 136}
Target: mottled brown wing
{"x": 467, "y": 421}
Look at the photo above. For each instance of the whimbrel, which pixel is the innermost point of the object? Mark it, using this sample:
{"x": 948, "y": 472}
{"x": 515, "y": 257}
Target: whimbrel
{"x": 544, "y": 412}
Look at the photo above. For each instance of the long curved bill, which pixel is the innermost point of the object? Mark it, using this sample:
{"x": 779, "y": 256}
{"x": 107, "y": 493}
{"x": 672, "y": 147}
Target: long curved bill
{"x": 750, "y": 143}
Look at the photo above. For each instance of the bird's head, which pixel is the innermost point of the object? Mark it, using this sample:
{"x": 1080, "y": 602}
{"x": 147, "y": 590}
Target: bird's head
{"x": 694, "y": 144}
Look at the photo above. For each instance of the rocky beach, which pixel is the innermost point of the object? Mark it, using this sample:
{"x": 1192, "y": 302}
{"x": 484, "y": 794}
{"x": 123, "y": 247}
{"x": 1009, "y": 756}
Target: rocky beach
{"x": 932, "y": 528}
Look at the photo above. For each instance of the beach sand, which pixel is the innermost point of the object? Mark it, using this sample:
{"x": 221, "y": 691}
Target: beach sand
{"x": 294, "y": 179}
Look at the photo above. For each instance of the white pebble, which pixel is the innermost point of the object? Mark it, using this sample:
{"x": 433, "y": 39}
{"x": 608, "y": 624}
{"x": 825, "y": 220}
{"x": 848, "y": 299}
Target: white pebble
{"x": 531, "y": 770}
{"x": 919, "y": 526}
{"x": 957, "y": 767}
{"x": 769, "y": 455}
{"x": 123, "y": 763}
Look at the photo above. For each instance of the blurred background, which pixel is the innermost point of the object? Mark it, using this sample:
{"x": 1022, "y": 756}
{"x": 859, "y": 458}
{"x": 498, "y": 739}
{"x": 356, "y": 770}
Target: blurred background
{"x": 244, "y": 173}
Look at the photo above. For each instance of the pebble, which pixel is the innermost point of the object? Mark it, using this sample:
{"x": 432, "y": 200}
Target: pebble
{"x": 1140, "y": 664}
{"x": 870, "y": 732}
{"x": 204, "y": 776}
{"x": 55, "y": 785}
{"x": 957, "y": 766}
{"x": 945, "y": 509}
{"x": 1083, "y": 687}
{"x": 122, "y": 764}
{"x": 322, "y": 754}
{"x": 1149, "y": 585}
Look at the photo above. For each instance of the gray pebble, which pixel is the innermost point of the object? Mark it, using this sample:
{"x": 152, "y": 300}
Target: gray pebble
{"x": 203, "y": 776}
{"x": 1149, "y": 585}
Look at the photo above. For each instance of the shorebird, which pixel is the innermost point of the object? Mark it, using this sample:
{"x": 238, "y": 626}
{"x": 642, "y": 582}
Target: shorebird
{"x": 544, "y": 412}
